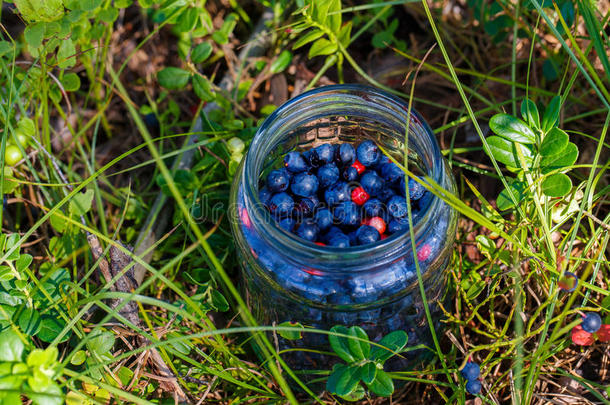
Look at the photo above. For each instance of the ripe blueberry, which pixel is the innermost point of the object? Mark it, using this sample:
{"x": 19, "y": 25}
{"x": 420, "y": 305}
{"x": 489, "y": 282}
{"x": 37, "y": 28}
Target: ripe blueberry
{"x": 278, "y": 180}
{"x": 337, "y": 193}
{"x": 304, "y": 185}
{"x": 265, "y": 195}
{"x": 328, "y": 175}
{"x": 346, "y": 213}
{"x": 385, "y": 194}
{"x": 321, "y": 155}
{"x": 473, "y": 386}
{"x": 368, "y": 153}
{"x": 350, "y": 174}
{"x": 308, "y": 230}
{"x": 373, "y": 207}
{"x": 324, "y": 218}
{"x": 347, "y": 154}
{"x": 281, "y": 204}
{"x": 287, "y": 223}
{"x": 306, "y": 205}
{"x": 339, "y": 239}
{"x": 591, "y": 322}
{"x": 397, "y": 207}
{"x": 391, "y": 173}
{"x": 398, "y": 225}
{"x": 471, "y": 371}
{"x": 371, "y": 183}
{"x": 367, "y": 234}
{"x": 416, "y": 190}
{"x": 294, "y": 162}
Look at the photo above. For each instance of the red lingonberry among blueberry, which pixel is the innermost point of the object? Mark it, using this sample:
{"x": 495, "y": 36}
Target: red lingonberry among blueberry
{"x": 582, "y": 337}
{"x": 359, "y": 196}
{"x": 603, "y": 334}
{"x": 359, "y": 167}
{"x": 377, "y": 223}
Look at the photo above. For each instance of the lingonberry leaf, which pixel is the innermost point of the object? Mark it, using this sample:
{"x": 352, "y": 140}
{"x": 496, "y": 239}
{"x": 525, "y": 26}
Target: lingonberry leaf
{"x": 339, "y": 344}
{"x": 392, "y": 342}
{"x": 556, "y": 185}
{"x": 360, "y": 349}
{"x": 512, "y": 128}
{"x": 554, "y": 142}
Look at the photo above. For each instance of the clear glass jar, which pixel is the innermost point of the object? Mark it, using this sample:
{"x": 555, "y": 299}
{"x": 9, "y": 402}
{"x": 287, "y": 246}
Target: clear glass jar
{"x": 286, "y": 278}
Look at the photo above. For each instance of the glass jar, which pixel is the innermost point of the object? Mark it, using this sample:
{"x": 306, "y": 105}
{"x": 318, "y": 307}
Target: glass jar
{"x": 286, "y": 278}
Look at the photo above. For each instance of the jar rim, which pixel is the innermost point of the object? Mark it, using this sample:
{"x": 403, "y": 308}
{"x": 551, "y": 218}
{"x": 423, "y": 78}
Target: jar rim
{"x": 309, "y": 251}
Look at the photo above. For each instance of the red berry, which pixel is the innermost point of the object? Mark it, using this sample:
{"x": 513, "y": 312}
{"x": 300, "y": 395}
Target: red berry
{"x": 603, "y": 334}
{"x": 377, "y": 223}
{"x": 358, "y": 166}
{"x": 582, "y": 337}
{"x": 423, "y": 252}
{"x": 383, "y": 236}
{"x": 320, "y": 244}
{"x": 359, "y": 196}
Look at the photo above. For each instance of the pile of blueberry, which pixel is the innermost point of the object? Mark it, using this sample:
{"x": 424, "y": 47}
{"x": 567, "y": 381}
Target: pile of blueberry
{"x": 471, "y": 372}
{"x": 338, "y": 195}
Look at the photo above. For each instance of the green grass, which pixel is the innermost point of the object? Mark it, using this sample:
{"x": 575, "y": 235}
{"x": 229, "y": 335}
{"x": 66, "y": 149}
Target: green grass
{"x": 98, "y": 119}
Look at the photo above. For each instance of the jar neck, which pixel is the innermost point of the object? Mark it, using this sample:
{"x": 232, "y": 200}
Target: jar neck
{"x": 373, "y": 109}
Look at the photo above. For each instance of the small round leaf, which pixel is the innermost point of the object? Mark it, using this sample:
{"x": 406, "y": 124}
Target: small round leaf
{"x": 554, "y": 142}
{"x": 556, "y": 185}
{"x": 512, "y": 128}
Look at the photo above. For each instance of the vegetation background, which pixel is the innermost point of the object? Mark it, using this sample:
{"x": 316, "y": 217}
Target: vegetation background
{"x": 122, "y": 125}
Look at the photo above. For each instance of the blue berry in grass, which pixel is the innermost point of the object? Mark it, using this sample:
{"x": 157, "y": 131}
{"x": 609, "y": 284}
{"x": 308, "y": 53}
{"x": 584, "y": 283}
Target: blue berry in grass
{"x": 350, "y": 174}
{"x": 391, "y": 173}
{"x": 398, "y": 225}
{"x": 265, "y": 195}
{"x": 373, "y": 207}
{"x": 295, "y": 163}
{"x": 304, "y": 185}
{"x": 347, "y": 213}
{"x": 328, "y": 175}
{"x": 307, "y": 205}
{"x": 473, "y": 386}
{"x": 324, "y": 218}
{"x": 591, "y": 322}
{"x": 368, "y": 153}
{"x": 347, "y": 154}
{"x": 337, "y": 193}
{"x": 367, "y": 234}
{"x": 287, "y": 223}
{"x": 397, "y": 207}
{"x": 281, "y": 204}
{"x": 371, "y": 183}
{"x": 471, "y": 371}
{"x": 278, "y": 180}
{"x": 416, "y": 190}
{"x": 308, "y": 230}
{"x": 339, "y": 239}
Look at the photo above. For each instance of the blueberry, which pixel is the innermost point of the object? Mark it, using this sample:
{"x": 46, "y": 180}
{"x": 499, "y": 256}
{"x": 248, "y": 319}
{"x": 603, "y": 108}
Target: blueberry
{"x": 473, "y": 386}
{"x": 304, "y": 184}
{"x": 265, "y": 195}
{"x": 367, "y": 234}
{"x": 347, "y": 154}
{"x": 391, "y": 173}
{"x": 371, "y": 183}
{"x": 398, "y": 225}
{"x": 591, "y": 322}
{"x": 278, "y": 180}
{"x": 308, "y": 230}
{"x": 324, "y": 218}
{"x": 347, "y": 213}
{"x": 383, "y": 159}
{"x": 397, "y": 207}
{"x": 350, "y": 174}
{"x": 337, "y": 193}
{"x": 307, "y": 205}
{"x": 328, "y": 175}
{"x": 321, "y": 155}
{"x": 385, "y": 194}
{"x": 339, "y": 239}
{"x": 353, "y": 238}
{"x": 287, "y": 223}
{"x": 294, "y": 162}
{"x": 416, "y": 190}
{"x": 471, "y": 371}
{"x": 281, "y": 204}
{"x": 368, "y": 153}
{"x": 373, "y": 207}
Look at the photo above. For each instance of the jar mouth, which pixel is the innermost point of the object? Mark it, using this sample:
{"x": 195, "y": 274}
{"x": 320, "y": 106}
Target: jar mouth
{"x": 339, "y": 101}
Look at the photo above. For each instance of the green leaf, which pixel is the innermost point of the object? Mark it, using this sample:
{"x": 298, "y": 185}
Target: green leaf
{"x": 6, "y": 47}
{"x": 70, "y": 81}
{"x": 511, "y": 128}
{"x": 34, "y": 34}
{"x": 282, "y": 62}
{"x": 392, "y": 342}
{"x": 40, "y": 10}
{"x": 368, "y": 372}
{"x": 358, "y": 348}
{"x": 187, "y": 20}
{"x": 80, "y": 204}
{"x": 203, "y": 88}
{"x": 551, "y": 114}
{"x": 101, "y": 343}
{"x": 356, "y": 395}
{"x": 11, "y": 346}
{"x": 382, "y": 385}
{"x": 294, "y": 334}
{"x": 201, "y": 52}
{"x": 307, "y": 38}
{"x": 339, "y": 343}
{"x": 565, "y": 159}
{"x": 554, "y": 142}
{"x": 173, "y": 78}
{"x": 108, "y": 15}
{"x": 556, "y": 185}
{"x": 322, "y": 47}
{"x": 42, "y": 358}
{"x": 334, "y": 20}
{"x": 65, "y": 54}
{"x": 89, "y": 5}
{"x": 23, "y": 262}
{"x": 345, "y": 34}
{"x": 529, "y": 112}
{"x": 29, "y": 321}
{"x": 50, "y": 328}
{"x": 504, "y": 202}
{"x": 79, "y": 358}
{"x": 504, "y": 151}
{"x": 219, "y": 302}
{"x": 51, "y": 395}
{"x": 343, "y": 379}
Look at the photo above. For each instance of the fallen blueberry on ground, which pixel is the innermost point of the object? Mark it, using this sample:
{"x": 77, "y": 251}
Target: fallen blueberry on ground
{"x": 591, "y": 322}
